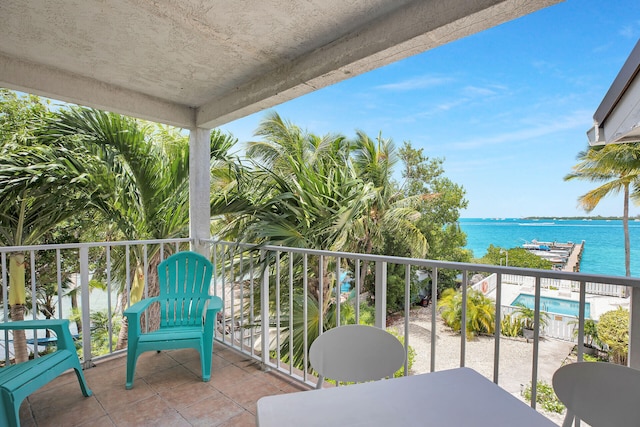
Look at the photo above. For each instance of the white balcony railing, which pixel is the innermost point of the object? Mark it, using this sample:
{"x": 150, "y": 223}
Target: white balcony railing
{"x": 255, "y": 296}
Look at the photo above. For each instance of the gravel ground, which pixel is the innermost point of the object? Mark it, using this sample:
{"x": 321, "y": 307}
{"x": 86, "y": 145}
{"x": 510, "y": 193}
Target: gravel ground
{"x": 515, "y": 354}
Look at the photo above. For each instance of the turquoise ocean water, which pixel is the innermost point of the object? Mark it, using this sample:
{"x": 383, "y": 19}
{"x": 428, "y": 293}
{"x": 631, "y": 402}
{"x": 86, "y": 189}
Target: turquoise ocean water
{"x": 604, "y": 239}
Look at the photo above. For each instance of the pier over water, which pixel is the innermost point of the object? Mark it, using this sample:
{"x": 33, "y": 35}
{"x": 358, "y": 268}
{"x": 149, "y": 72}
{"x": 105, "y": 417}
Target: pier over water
{"x": 564, "y": 256}
{"x": 573, "y": 262}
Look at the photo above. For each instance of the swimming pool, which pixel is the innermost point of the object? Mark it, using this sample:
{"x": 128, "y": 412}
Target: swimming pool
{"x": 554, "y": 305}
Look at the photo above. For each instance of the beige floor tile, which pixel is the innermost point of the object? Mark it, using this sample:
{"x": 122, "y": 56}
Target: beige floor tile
{"x": 168, "y": 391}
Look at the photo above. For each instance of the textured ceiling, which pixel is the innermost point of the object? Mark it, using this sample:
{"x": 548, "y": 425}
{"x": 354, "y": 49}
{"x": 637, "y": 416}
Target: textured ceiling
{"x": 202, "y": 63}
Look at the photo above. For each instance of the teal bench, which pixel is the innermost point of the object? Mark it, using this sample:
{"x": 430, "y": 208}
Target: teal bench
{"x": 20, "y": 380}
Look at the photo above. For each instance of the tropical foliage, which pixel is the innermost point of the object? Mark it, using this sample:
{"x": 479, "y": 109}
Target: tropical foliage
{"x": 591, "y": 338}
{"x": 141, "y": 185}
{"x": 41, "y": 186}
{"x": 511, "y": 326}
{"x": 518, "y": 257}
{"x": 545, "y": 396}
{"x": 613, "y": 330}
{"x": 326, "y": 192}
{"x": 527, "y": 316}
{"x": 438, "y": 202}
{"x": 114, "y": 177}
{"x": 480, "y": 313}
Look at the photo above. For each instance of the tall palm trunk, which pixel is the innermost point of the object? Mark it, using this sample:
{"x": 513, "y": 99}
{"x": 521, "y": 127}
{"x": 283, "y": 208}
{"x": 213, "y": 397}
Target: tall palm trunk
{"x": 17, "y": 301}
{"x": 74, "y": 308}
{"x": 627, "y": 243}
{"x": 151, "y": 318}
{"x": 327, "y": 285}
{"x": 123, "y": 339}
{"x": 625, "y": 224}
{"x": 364, "y": 266}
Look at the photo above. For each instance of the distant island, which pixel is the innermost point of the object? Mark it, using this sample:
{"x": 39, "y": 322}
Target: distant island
{"x": 597, "y": 217}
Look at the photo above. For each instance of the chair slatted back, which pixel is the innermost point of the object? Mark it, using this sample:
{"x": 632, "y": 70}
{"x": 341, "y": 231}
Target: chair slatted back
{"x": 184, "y": 279}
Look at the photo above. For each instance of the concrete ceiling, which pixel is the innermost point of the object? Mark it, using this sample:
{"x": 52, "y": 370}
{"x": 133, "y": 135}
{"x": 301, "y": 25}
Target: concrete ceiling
{"x": 202, "y": 63}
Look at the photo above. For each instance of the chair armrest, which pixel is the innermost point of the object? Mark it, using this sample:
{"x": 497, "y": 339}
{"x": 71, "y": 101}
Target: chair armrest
{"x": 215, "y": 305}
{"x": 133, "y": 314}
{"x": 59, "y": 326}
{"x": 138, "y": 308}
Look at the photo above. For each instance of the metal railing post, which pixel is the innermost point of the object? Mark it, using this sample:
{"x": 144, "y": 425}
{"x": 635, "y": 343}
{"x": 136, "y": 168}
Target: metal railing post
{"x": 86, "y": 309}
{"x": 463, "y": 318}
{"x": 264, "y": 313}
{"x": 634, "y": 329}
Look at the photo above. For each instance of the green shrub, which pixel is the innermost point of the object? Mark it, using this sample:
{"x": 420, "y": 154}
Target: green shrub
{"x": 481, "y": 312}
{"x": 591, "y": 338}
{"x": 511, "y": 326}
{"x": 613, "y": 330}
{"x": 545, "y": 396}
{"x": 367, "y": 314}
{"x": 590, "y": 358}
{"x": 527, "y": 316}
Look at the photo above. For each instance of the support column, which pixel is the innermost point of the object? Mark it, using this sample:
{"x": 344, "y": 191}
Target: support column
{"x": 199, "y": 188}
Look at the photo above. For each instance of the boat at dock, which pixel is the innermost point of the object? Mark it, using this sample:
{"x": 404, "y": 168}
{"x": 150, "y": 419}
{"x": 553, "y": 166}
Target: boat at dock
{"x": 564, "y": 256}
{"x": 536, "y": 247}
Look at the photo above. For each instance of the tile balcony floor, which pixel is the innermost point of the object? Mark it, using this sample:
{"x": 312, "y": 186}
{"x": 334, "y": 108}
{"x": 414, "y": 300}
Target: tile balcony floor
{"x": 167, "y": 391}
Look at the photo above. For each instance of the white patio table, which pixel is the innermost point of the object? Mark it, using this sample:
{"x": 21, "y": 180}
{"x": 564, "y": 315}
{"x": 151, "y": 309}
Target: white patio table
{"x": 454, "y": 397}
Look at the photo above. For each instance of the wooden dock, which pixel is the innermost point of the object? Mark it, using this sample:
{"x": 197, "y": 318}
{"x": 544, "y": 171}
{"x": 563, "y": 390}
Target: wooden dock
{"x": 573, "y": 263}
{"x": 563, "y": 256}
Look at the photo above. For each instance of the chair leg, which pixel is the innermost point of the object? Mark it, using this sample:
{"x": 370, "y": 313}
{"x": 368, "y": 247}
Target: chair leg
{"x": 9, "y": 411}
{"x": 205, "y": 360}
{"x": 83, "y": 383}
{"x": 568, "y": 419}
{"x": 132, "y": 358}
{"x": 14, "y": 417}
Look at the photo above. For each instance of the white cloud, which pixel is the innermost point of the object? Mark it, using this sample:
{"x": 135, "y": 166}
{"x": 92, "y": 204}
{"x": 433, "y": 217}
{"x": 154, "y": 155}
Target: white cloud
{"x": 475, "y": 91}
{"x": 436, "y": 109}
{"x": 576, "y": 120}
{"x": 630, "y": 31}
{"x": 416, "y": 83}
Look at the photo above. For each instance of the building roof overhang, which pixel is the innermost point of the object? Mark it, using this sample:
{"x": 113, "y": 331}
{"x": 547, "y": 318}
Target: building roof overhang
{"x": 617, "y": 119}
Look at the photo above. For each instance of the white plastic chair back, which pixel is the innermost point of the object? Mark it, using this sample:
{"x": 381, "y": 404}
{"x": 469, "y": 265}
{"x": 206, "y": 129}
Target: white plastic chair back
{"x": 356, "y": 353}
{"x": 601, "y": 394}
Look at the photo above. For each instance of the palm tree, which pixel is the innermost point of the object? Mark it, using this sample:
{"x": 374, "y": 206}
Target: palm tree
{"x": 388, "y": 209}
{"x": 618, "y": 167}
{"x": 41, "y": 186}
{"x": 309, "y": 197}
{"x": 480, "y": 312}
{"x": 284, "y": 146}
{"x": 314, "y": 195}
{"x": 142, "y": 184}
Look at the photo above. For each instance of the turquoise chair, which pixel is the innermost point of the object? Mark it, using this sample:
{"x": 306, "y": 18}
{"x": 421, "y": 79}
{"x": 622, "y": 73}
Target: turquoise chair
{"x": 19, "y": 380}
{"x": 187, "y": 312}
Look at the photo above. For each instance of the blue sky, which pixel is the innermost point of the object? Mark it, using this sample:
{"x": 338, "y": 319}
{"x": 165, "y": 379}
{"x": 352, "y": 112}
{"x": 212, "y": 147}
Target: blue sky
{"x": 508, "y": 108}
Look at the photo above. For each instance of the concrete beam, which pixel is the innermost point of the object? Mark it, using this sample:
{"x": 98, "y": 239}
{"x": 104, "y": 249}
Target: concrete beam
{"x": 56, "y": 84}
